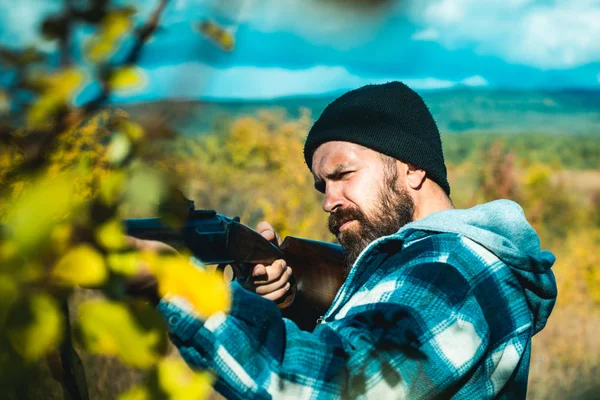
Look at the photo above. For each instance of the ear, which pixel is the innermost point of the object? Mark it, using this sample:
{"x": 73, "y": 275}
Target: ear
{"x": 414, "y": 176}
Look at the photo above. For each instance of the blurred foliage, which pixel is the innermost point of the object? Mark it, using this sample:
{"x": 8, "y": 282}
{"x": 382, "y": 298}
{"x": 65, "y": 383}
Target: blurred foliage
{"x": 68, "y": 174}
{"x": 217, "y": 34}
{"x": 253, "y": 167}
{"x": 568, "y": 151}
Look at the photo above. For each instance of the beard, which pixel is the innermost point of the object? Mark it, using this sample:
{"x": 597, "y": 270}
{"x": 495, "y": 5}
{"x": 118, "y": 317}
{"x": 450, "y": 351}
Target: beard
{"x": 395, "y": 208}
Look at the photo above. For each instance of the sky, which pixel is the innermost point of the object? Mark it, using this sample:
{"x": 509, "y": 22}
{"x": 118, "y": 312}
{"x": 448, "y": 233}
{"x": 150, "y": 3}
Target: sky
{"x": 312, "y": 47}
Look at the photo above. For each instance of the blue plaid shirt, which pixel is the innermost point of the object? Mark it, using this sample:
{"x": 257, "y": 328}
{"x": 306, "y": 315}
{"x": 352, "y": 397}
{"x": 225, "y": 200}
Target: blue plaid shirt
{"x": 422, "y": 314}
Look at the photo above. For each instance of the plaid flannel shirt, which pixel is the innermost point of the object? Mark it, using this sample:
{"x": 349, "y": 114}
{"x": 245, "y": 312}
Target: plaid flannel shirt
{"x": 430, "y": 315}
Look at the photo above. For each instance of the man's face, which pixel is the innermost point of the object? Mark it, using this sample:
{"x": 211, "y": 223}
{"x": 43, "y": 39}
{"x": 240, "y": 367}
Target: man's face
{"x": 363, "y": 194}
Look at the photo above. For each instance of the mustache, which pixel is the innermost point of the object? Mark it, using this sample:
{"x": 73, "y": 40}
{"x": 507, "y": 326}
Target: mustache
{"x": 341, "y": 216}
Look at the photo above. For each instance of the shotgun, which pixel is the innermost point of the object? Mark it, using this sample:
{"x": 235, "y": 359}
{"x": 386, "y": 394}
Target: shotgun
{"x": 318, "y": 267}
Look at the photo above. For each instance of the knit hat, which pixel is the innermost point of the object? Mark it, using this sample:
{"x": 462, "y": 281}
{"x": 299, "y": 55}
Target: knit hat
{"x": 391, "y": 119}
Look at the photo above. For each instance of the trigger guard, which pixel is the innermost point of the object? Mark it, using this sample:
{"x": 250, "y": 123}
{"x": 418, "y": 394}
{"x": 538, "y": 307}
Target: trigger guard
{"x": 237, "y": 273}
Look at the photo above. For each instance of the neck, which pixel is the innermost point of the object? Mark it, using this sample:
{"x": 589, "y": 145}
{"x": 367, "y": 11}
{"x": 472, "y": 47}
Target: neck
{"x": 431, "y": 200}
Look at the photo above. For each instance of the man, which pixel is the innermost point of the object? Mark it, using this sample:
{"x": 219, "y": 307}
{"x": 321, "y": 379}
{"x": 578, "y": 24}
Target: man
{"x": 437, "y": 303}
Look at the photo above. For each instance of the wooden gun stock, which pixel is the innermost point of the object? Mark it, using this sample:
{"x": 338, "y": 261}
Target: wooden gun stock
{"x": 318, "y": 269}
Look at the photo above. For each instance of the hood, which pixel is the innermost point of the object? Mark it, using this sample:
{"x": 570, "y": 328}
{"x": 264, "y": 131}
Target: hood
{"x": 501, "y": 227}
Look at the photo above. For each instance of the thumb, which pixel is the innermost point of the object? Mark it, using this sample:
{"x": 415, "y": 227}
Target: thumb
{"x": 268, "y": 232}
{"x": 259, "y": 270}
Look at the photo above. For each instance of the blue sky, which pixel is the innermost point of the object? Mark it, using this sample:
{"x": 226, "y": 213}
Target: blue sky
{"x": 310, "y": 47}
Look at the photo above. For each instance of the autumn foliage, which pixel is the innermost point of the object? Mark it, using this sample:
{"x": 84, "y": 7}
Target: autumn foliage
{"x": 69, "y": 173}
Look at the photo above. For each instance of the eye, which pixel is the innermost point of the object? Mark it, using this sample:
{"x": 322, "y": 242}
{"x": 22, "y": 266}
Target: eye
{"x": 345, "y": 174}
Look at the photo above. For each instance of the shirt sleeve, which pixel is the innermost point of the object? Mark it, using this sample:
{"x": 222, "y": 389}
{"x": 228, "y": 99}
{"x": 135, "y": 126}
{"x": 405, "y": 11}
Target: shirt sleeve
{"x": 419, "y": 334}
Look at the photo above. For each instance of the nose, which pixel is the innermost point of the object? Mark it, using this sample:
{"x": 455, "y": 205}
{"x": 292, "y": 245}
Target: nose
{"x": 333, "y": 198}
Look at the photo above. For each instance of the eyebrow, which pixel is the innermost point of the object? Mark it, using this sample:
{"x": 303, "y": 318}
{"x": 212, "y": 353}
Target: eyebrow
{"x": 331, "y": 176}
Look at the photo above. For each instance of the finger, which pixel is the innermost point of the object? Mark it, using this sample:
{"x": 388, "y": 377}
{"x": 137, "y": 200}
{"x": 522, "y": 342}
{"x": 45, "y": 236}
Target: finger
{"x": 276, "y": 295}
{"x": 149, "y": 245}
{"x": 272, "y": 273}
{"x": 274, "y": 286}
{"x": 259, "y": 271}
{"x": 268, "y": 232}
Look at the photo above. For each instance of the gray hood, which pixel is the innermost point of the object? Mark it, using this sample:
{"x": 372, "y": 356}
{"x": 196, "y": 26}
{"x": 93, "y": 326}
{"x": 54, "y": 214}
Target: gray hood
{"x": 501, "y": 227}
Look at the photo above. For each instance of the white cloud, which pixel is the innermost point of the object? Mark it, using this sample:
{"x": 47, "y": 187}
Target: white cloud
{"x": 197, "y": 80}
{"x": 475, "y": 81}
{"x": 561, "y": 34}
{"x": 426, "y": 34}
{"x": 322, "y": 22}
{"x": 20, "y": 22}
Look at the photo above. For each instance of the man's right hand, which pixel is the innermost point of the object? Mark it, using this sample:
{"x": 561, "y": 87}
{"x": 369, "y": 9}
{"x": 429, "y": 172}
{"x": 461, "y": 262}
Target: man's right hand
{"x": 272, "y": 281}
{"x": 144, "y": 284}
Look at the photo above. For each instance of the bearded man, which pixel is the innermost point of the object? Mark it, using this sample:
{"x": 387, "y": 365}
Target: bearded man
{"x": 437, "y": 302}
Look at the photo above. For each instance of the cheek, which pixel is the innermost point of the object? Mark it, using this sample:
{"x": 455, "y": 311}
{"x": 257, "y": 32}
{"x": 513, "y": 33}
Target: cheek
{"x": 362, "y": 192}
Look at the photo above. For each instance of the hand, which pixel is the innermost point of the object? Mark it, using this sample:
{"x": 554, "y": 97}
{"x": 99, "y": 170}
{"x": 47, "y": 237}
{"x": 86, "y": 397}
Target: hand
{"x": 272, "y": 281}
{"x": 145, "y": 284}
{"x": 149, "y": 245}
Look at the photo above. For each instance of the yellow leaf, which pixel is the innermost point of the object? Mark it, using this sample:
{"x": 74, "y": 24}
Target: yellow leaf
{"x": 109, "y": 328}
{"x": 179, "y": 382}
{"x": 112, "y": 29}
{"x": 40, "y": 113}
{"x": 226, "y": 40}
{"x": 110, "y": 235}
{"x": 112, "y": 186}
{"x": 59, "y": 89}
{"x": 60, "y": 237}
{"x": 42, "y": 333}
{"x": 206, "y": 291}
{"x": 34, "y": 213}
{"x": 134, "y": 131}
{"x": 99, "y": 50}
{"x": 65, "y": 83}
{"x": 118, "y": 149}
{"x": 82, "y": 265}
{"x": 126, "y": 78}
{"x": 117, "y": 23}
{"x": 128, "y": 264}
{"x": 135, "y": 393}
{"x": 217, "y": 34}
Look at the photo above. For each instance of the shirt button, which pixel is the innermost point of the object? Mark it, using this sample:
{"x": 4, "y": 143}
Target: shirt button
{"x": 173, "y": 320}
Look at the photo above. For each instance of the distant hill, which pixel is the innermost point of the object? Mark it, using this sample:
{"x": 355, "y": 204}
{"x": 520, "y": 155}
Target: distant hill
{"x": 456, "y": 110}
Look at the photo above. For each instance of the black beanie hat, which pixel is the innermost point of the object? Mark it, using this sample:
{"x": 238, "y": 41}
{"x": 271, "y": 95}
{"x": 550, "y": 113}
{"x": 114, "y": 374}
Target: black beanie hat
{"x": 391, "y": 119}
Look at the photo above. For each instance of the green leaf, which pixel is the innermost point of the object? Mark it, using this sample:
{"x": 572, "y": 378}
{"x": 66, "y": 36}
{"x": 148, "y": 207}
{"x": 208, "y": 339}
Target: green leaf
{"x": 33, "y": 214}
{"x": 110, "y": 328}
{"x": 81, "y": 265}
{"x": 35, "y": 329}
